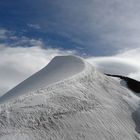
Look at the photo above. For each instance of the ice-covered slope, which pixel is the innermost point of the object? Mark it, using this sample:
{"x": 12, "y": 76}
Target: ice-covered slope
{"x": 83, "y": 105}
{"x": 60, "y": 68}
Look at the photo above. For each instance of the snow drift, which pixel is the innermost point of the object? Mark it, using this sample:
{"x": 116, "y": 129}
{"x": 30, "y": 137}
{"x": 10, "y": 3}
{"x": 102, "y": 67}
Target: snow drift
{"x": 69, "y": 100}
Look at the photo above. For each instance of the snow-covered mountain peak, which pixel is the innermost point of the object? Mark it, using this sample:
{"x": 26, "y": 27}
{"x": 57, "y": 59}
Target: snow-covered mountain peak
{"x": 60, "y": 68}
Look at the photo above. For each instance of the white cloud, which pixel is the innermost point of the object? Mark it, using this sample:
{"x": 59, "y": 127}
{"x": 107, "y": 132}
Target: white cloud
{"x": 3, "y": 33}
{"x": 125, "y": 63}
{"x": 34, "y": 26}
{"x": 6, "y": 35}
{"x": 26, "y": 41}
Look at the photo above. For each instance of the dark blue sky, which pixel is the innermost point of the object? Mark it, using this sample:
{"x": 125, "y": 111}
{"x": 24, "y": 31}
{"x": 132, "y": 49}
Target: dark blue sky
{"x": 92, "y": 27}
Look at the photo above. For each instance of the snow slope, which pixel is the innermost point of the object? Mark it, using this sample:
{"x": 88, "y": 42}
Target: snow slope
{"x": 78, "y": 103}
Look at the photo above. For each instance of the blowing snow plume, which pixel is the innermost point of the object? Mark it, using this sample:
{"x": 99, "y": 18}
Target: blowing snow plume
{"x": 69, "y": 100}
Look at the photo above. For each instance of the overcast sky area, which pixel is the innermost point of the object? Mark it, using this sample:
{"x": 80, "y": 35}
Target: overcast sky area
{"x": 32, "y": 32}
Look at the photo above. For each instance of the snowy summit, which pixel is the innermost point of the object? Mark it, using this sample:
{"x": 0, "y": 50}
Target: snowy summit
{"x": 70, "y": 100}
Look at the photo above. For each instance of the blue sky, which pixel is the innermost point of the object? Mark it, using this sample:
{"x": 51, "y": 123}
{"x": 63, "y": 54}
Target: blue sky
{"x": 32, "y": 32}
{"x": 92, "y": 27}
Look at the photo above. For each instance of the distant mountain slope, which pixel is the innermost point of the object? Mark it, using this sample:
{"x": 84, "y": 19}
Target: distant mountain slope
{"x": 84, "y": 105}
{"x": 132, "y": 84}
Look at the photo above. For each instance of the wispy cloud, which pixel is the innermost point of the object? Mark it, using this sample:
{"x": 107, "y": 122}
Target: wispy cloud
{"x": 4, "y": 34}
{"x": 34, "y": 26}
{"x": 24, "y": 41}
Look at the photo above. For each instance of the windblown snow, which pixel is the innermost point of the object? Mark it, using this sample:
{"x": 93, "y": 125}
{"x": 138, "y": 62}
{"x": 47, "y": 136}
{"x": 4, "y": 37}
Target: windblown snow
{"x": 70, "y": 100}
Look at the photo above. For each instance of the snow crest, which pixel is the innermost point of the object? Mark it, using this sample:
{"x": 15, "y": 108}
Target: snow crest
{"x": 83, "y": 105}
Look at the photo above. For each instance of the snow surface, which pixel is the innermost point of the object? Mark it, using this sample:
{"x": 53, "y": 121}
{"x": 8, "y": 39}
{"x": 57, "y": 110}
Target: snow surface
{"x": 83, "y": 105}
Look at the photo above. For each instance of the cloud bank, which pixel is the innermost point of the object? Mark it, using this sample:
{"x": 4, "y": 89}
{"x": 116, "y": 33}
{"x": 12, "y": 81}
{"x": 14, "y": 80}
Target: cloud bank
{"x": 125, "y": 63}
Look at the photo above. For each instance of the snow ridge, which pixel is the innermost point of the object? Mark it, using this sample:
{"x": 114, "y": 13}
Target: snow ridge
{"x": 59, "y": 69}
